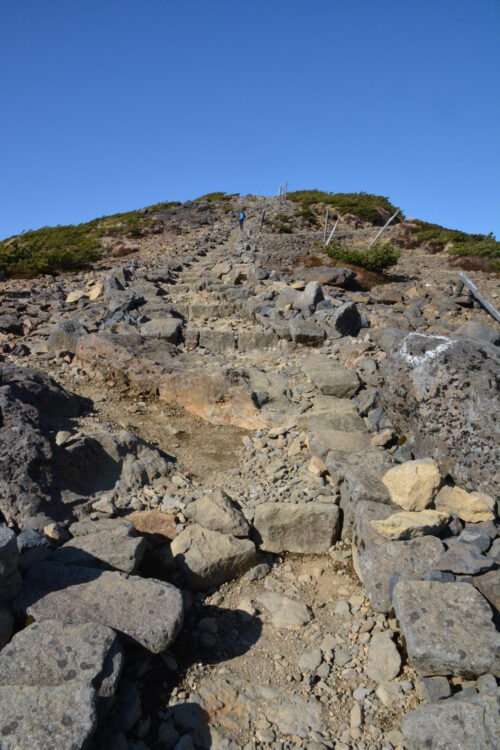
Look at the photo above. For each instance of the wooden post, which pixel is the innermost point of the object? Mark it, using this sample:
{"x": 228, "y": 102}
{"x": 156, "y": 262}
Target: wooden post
{"x": 332, "y": 233}
{"x": 482, "y": 300}
{"x": 326, "y": 225}
{"x": 262, "y": 220}
{"x": 383, "y": 229}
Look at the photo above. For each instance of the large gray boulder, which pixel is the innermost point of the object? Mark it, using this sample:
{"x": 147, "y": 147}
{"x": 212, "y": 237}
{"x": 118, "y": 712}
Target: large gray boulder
{"x": 147, "y": 611}
{"x": 169, "y": 329}
{"x": 31, "y": 717}
{"x": 109, "y": 545}
{"x": 332, "y": 378}
{"x": 311, "y": 528}
{"x": 460, "y": 724}
{"x": 426, "y": 382}
{"x": 304, "y": 332}
{"x": 209, "y": 558}
{"x": 56, "y": 680}
{"x": 382, "y": 566}
{"x": 447, "y": 628}
{"x": 344, "y": 321}
{"x": 217, "y": 512}
{"x": 48, "y": 654}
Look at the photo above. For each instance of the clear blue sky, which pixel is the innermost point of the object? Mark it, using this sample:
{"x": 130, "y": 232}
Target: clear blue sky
{"x": 109, "y": 105}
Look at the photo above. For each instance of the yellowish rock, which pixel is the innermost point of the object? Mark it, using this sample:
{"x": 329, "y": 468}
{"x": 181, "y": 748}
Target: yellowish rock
{"x": 472, "y": 507}
{"x": 409, "y": 524}
{"x": 75, "y": 296}
{"x": 317, "y": 467}
{"x": 413, "y": 485}
{"x": 96, "y": 291}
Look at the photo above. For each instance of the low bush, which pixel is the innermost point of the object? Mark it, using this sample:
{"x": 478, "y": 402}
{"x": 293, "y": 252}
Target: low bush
{"x": 308, "y": 217}
{"x": 364, "y": 205}
{"x": 377, "y": 258}
{"x": 71, "y": 247}
{"x": 218, "y": 195}
{"x": 437, "y": 237}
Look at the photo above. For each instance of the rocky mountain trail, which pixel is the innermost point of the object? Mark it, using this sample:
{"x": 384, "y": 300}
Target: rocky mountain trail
{"x": 248, "y": 502}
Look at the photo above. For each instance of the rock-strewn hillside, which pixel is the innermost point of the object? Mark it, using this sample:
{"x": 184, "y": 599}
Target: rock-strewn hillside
{"x": 249, "y": 496}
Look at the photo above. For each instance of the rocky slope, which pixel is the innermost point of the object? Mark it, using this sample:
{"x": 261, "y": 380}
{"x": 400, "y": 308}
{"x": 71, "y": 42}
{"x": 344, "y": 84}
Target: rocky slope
{"x": 249, "y": 498}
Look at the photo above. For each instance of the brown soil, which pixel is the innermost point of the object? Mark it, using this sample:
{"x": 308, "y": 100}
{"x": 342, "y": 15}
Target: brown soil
{"x": 202, "y": 449}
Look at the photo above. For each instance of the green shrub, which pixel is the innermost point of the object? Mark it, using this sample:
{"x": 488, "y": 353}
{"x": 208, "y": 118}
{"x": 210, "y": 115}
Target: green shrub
{"x": 475, "y": 245}
{"x": 71, "y": 247}
{"x": 309, "y": 217}
{"x": 377, "y": 258}
{"x": 364, "y": 205}
{"x": 218, "y": 195}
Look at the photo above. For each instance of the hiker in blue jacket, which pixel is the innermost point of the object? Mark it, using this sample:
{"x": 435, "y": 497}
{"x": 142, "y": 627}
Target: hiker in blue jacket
{"x": 242, "y": 219}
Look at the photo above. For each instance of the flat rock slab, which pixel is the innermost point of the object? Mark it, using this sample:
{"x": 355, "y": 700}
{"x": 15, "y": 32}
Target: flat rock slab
{"x": 148, "y": 611}
{"x": 156, "y": 526}
{"x": 168, "y": 329}
{"x": 328, "y": 412}
{"x": 116, "y": 545}
{"x": 410, "y": 524}
{"x": 332, "y": 378}
{"x": 463, "y": 559}
{"x": 48, "y": 654}
{"x": 383, "y": 566}
{"x": 34, "y": 718}
{"x": 311, "y": 528}
{"x": 285, "y": 612}
{"x": 209, "y": 558}
{"x": 457, "y": 724}
{"x": 447, "y": 627}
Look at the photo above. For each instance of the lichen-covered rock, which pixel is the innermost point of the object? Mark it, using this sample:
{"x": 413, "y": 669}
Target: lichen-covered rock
{"x": 454, "y": 723}
{"x": 76, "y": 595}
{"x": 447, "y": 627}
{"x": 48, "y": 654}
{"x": 31, "y": 717}
{"x": 382, "y": 566}
{"x": 427, "y": 381}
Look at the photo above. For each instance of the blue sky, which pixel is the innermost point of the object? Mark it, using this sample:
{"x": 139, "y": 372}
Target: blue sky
{"x": 109, "y": 105}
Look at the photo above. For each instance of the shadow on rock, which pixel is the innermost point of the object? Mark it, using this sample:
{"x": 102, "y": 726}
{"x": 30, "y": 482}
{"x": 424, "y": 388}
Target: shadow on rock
{"x": 210, "y": 635}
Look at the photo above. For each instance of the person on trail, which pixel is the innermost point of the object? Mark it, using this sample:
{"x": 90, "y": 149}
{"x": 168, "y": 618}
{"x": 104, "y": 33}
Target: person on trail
{"x": 357, "y": 222}
{"x": 242, "y": 219}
